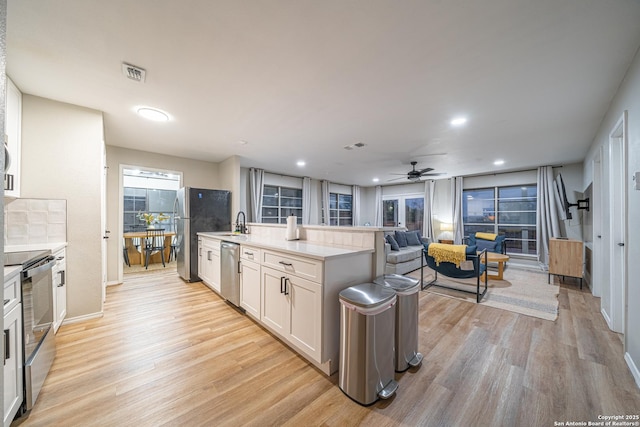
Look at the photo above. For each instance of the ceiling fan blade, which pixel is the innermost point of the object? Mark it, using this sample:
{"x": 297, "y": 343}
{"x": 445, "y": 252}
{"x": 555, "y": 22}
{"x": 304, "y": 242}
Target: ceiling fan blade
{"x": 403, "y": 174}
{"x": 433, "y": 174}
{"x": 395, "y": 179}
{"x": 425, "y": 170}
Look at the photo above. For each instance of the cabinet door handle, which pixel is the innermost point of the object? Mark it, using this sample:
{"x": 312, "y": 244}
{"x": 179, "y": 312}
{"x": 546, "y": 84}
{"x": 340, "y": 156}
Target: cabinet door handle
{"x": 208, "y": 255}
{"x": 286, "y": 264}
{"x": 620, "y": 244}
{"x": 239, "y": 268}
{"x": 286, "y": 292}
{"x": 63, "y": 278}
{"x": 7, "y": 345}
{"x": 282, "y": 285}
{"x": 248, "y": 253}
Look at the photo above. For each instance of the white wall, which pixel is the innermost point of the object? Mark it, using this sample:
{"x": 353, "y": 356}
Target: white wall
{"x": 61, "y": 159}
{"x": 229, "y": 179}
{"x": 627, "y": 98}
{"x": 194, "y": 174}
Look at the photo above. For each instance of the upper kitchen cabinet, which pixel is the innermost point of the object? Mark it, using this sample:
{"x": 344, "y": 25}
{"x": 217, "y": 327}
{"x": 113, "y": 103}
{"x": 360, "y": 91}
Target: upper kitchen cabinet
{"x": 12, "y": 138}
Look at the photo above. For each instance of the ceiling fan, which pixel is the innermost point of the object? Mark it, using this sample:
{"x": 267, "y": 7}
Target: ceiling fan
{"x": 415, "y": 175}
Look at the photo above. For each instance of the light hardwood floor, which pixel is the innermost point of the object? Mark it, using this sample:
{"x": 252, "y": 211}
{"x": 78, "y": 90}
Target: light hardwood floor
{"x": 171, "y": 353}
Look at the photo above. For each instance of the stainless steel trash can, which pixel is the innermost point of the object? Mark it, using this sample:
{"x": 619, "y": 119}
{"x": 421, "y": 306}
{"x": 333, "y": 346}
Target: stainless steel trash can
{"x": 367, "y": 316}
{"x": 406, "y": 332}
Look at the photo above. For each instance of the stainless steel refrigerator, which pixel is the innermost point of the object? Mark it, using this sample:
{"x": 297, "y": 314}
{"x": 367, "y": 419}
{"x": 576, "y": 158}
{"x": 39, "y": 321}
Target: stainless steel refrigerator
{"x": 197, "y": 210}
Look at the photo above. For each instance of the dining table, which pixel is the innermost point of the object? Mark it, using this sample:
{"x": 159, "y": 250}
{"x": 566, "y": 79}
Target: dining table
{"x": 134, "y": 244}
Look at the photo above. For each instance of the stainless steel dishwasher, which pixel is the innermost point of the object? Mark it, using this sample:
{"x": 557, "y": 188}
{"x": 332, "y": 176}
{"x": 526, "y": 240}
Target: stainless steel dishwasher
{"x": 230, "y": 272}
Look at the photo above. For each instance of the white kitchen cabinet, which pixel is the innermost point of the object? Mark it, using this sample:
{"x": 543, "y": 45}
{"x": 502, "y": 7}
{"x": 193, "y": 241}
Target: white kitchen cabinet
{"x": 292, "y": 307}
{"x": 13, "y": 392}
{"x": 59, "y": 272}
{"x": 250, "y": 281}
{"x": 13, "y": 139}
{"x": 209, "y": 262}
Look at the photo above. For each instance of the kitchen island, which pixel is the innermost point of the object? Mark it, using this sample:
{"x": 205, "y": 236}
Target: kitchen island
{"x": 291, "y": 287}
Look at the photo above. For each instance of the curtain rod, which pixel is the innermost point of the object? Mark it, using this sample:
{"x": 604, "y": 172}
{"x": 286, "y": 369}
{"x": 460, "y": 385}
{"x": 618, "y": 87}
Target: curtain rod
{"x": 301, "y": 177}
{"x": 512, "y": 171}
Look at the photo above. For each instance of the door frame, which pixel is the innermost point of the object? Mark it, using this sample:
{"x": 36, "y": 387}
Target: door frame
{"x": 120, "y": 243}
{"x": 615, "y": 313}
{"x": 401, "y": 198}
{"x": 597, "y": 260}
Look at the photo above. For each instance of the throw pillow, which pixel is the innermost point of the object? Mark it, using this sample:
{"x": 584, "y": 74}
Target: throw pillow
{"x": 401, "y": 238}
{"x": 413, "y": 238}
{"x": 471, "y": 250}
{"x": 392, "y": 242}
{"x": 489, "y": 245}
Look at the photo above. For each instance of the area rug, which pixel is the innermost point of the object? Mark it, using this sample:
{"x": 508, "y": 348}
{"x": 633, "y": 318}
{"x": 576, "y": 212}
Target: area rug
{"x": 522, "y": 291}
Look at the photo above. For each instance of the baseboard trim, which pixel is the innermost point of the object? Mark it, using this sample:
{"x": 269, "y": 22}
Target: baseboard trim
{"x": 606, "y": 318}
{"x": 79, "y": 319}
{"x": 114, "y": 283}
{"x": 633, "y": 368}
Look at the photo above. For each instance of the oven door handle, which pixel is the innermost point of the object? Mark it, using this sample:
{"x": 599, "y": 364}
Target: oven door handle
{"x": 41, "y": 268}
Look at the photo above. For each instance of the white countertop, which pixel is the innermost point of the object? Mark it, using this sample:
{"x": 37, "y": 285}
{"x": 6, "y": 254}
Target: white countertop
{"x": 11, "y": 271}
{"x": 53, "y": 247}
{"x": 295, "y": 247}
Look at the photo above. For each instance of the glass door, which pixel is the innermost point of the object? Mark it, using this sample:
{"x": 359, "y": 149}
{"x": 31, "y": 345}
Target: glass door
{"x": 403, "y": 211}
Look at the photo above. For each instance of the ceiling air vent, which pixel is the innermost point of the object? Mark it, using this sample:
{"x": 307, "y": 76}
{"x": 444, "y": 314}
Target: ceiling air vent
{"x": 134, "y": 73}
{"x": 356, "y": 145}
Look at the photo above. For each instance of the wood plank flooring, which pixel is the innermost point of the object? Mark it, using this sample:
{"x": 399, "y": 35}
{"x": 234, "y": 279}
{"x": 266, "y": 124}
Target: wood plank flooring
{"x": 172, "y": 353}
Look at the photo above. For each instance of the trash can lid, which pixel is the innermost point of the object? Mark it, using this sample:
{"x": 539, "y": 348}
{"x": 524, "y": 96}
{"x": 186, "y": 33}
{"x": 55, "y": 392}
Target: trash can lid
{"x": 367, "y": 295}
{"x": 401, "y": 284}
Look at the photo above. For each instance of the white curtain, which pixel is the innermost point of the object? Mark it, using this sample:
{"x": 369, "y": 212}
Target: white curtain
{"x": 355, "y": 204}
{"x": 306, "y": 200}
{"x": 427, "y": 223}
{"x": 325, "y": 202}
{"x": 256, "y": 187}
{"x": 456, "y": 196}
{"x": 378, "y": 217}
{"x": 547, "y": 222}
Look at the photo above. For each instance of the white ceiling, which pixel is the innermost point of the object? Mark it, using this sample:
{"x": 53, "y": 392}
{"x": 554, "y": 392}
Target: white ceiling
{"x": 300, "y": 79}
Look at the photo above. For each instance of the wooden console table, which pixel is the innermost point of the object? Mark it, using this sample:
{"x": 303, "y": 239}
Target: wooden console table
{"x": 566, "y": 258}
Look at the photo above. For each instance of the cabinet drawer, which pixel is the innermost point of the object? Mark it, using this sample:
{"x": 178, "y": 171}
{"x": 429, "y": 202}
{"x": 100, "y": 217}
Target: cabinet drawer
{"x": 306, "y": 268}
{"x": 250, "y": 253}
{"x": 12, "y": 291}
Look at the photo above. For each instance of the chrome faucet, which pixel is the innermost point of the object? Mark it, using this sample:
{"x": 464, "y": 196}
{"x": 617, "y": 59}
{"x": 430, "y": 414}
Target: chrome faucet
{"x": 241, "y": 227}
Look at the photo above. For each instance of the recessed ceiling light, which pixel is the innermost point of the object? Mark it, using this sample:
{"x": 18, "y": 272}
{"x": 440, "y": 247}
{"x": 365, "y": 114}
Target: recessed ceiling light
{"x": 458, "y": 121}
{"x": 301, "y": 163}
{"x": 499, "y": 162}
{"x": 153, "y": 114}
{"x": 376, "y": 179}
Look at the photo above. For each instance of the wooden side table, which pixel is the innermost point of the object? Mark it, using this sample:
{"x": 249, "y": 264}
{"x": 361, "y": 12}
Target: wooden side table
{"x": 497, "y": 258}
{"x": 446, "y": 242}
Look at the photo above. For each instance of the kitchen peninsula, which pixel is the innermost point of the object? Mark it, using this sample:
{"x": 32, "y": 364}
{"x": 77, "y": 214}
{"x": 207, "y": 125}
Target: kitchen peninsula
{"x": 291, "y": 287}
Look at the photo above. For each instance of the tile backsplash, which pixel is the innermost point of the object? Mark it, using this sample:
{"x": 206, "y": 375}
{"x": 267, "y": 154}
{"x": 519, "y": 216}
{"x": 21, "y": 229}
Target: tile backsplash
{"x": 32, "y": 221}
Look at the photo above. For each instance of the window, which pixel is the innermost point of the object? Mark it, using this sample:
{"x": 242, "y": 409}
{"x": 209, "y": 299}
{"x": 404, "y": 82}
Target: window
{"x": 403, "y": 211}
{"x": 280, "y": 202}
{"x": 147, "y": 200}
{"x": 340, "y": 209}
{"x": 512, "y": 212}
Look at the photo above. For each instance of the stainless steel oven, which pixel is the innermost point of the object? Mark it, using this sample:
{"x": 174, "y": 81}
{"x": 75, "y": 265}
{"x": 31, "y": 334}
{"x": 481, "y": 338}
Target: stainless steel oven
{"x": 37, "y": 318}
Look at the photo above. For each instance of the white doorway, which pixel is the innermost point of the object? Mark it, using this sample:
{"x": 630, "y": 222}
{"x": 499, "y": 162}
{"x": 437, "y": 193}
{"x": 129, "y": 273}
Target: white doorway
{"x": 613, "y": 293}
{"x": 597, "y": 204}
{"x": 403, "y": 211}
{"x": 143, "y": 191}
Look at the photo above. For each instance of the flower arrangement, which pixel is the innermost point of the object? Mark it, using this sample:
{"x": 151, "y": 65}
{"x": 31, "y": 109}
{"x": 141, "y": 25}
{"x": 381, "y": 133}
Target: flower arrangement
{"x": 150, "y": 218}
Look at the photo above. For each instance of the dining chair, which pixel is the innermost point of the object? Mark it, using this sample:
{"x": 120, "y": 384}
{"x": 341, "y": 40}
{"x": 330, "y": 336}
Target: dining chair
{"x": 153, "y": 243}
{"x": 125, "y": 253}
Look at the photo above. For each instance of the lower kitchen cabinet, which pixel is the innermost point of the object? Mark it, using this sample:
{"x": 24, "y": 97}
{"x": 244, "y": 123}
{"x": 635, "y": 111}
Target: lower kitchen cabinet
{"x": 209, "y": 262}
{"x": 13, "y": 392}
{"x": 59, "y": 281}
{"x": 250, "y": 287}
{"x": 292, "y": 307}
